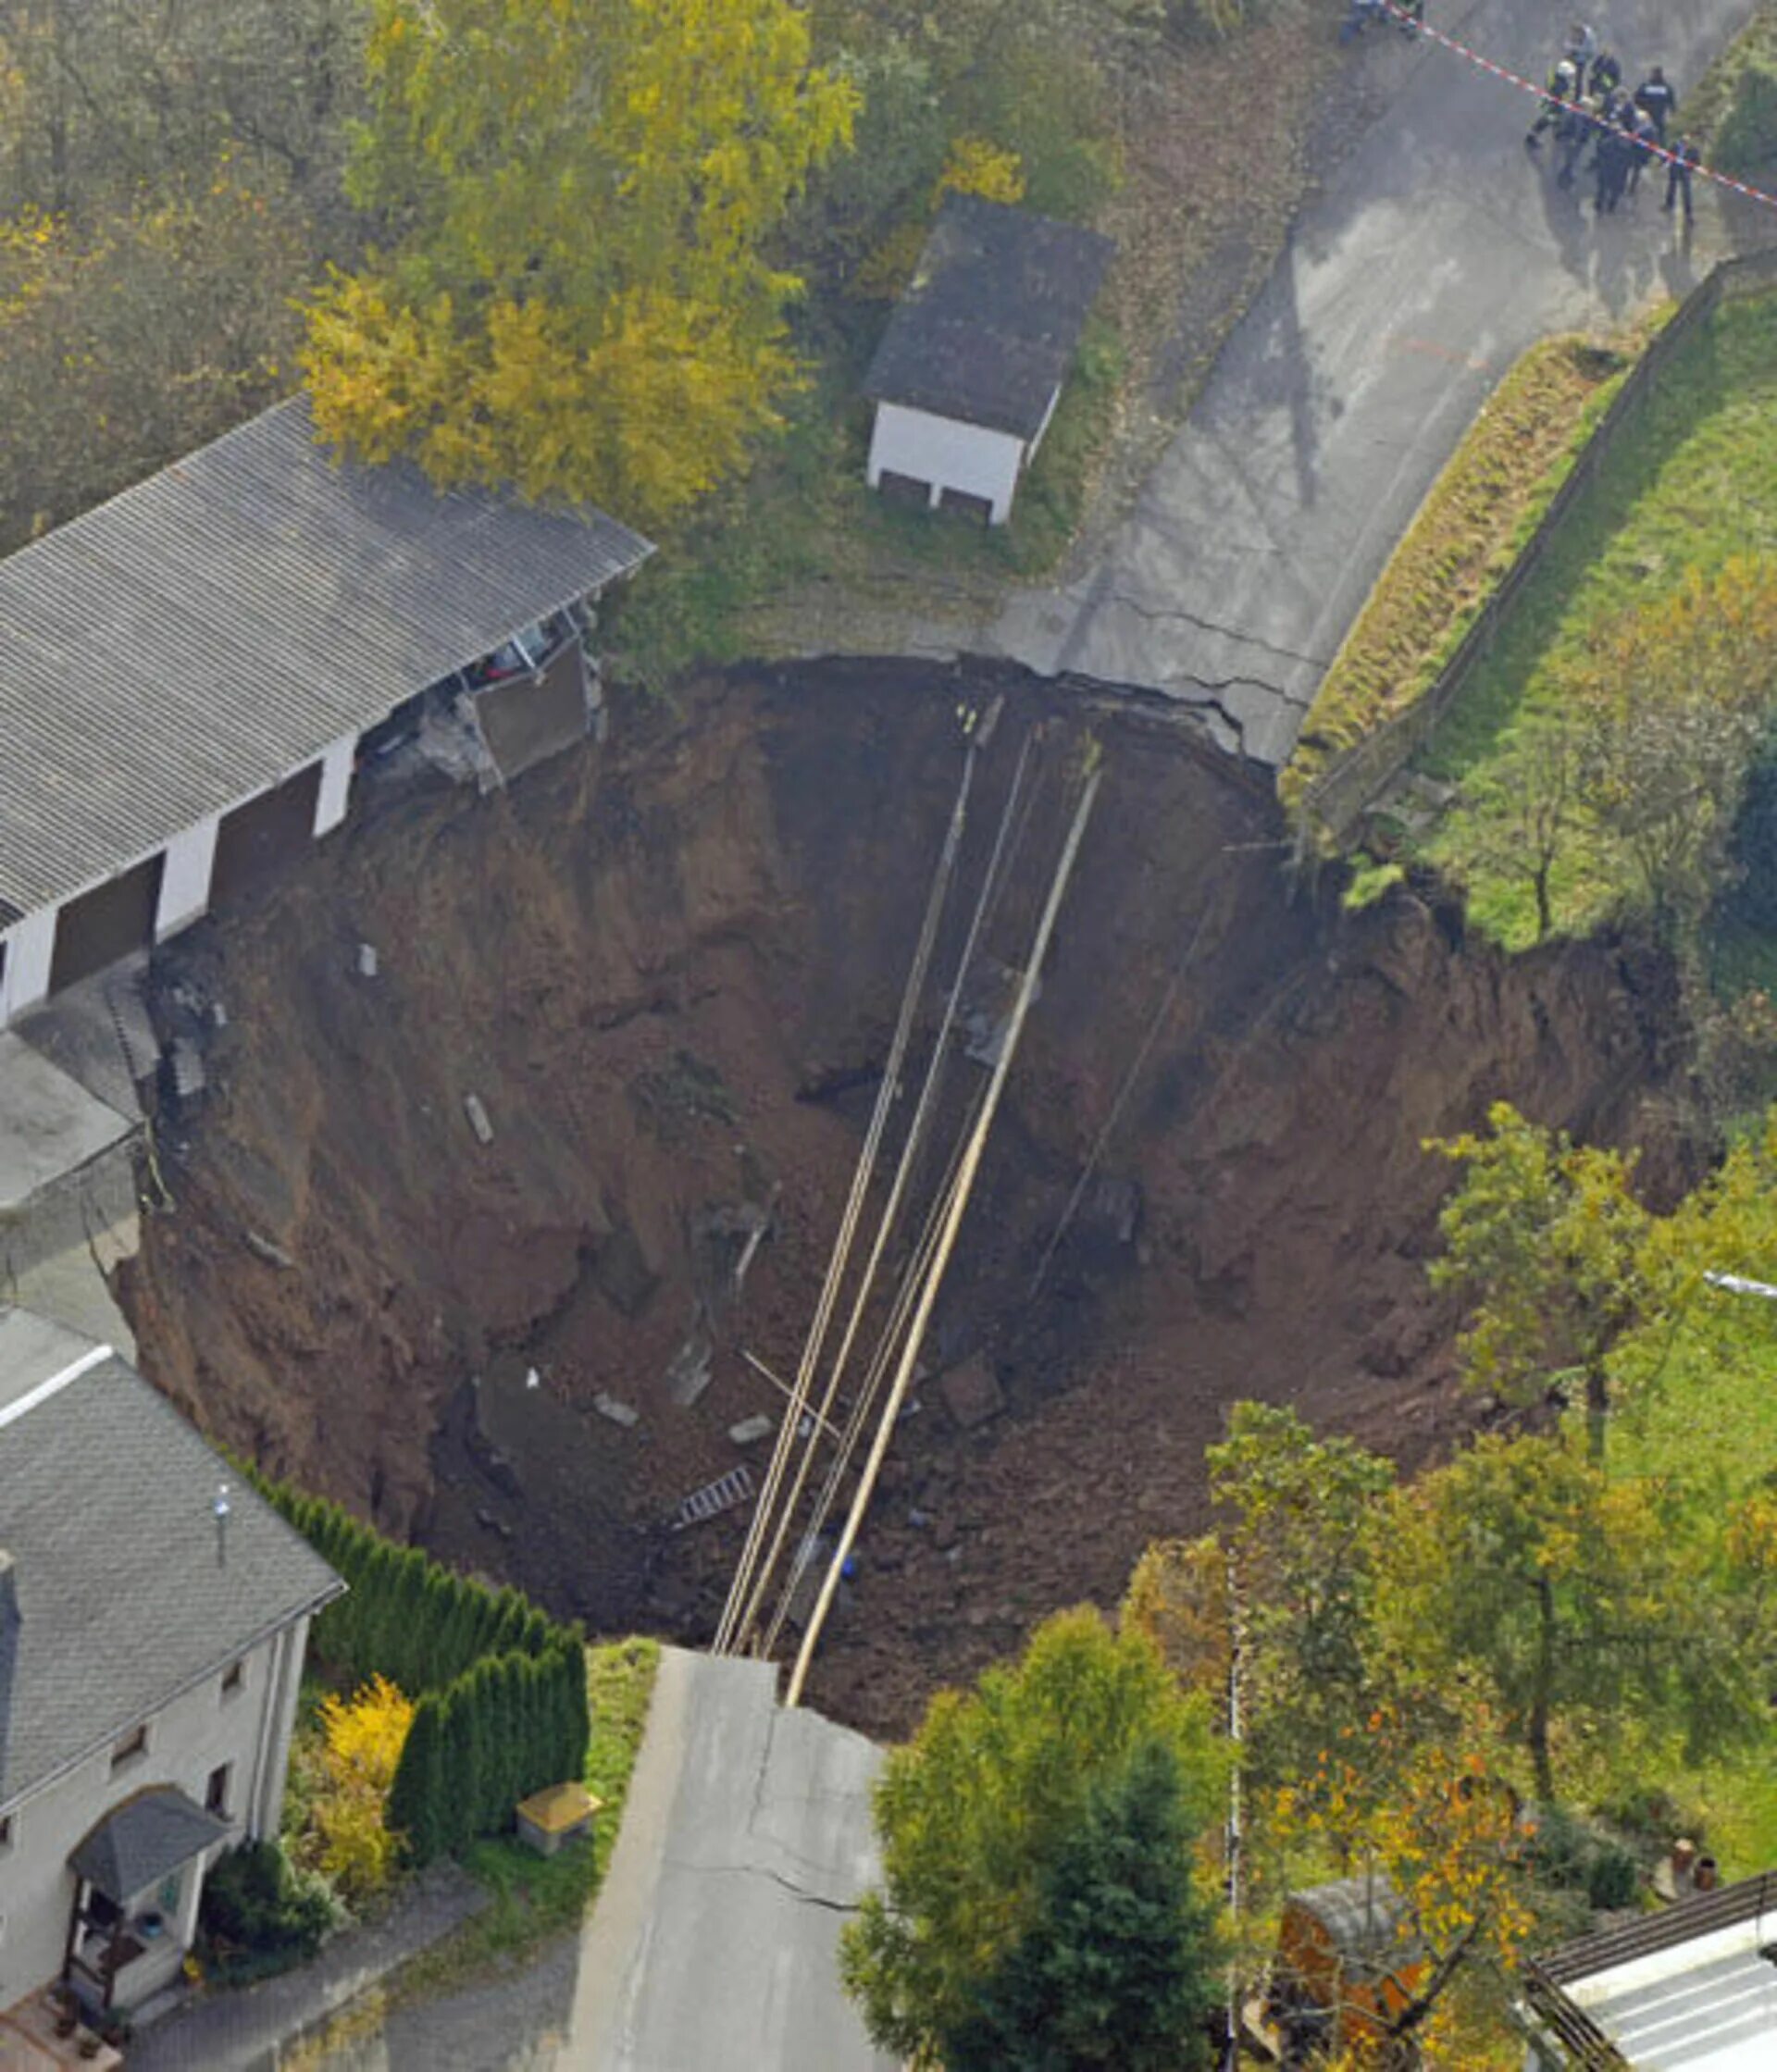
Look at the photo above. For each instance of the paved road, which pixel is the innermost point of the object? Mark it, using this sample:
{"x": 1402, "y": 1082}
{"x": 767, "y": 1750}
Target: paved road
{"x": 713, "y": 1943}
{"x": 1440, "y": 250}
{"x": 746, "y": 1836}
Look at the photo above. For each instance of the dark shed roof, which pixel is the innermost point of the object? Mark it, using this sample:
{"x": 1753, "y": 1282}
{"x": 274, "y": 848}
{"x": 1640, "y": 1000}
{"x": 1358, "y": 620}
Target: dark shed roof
{"x": 1362, "y": 1916}
{"x": 125, "y": 1591}
{"x": 989, "y": 322}
{"x": 211, "y": 630}
{"x": 138, "y": 1843}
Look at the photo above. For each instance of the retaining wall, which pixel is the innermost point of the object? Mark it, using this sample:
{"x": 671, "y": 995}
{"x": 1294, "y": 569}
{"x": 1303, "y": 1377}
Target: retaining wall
{"x": 1331, "y": 807}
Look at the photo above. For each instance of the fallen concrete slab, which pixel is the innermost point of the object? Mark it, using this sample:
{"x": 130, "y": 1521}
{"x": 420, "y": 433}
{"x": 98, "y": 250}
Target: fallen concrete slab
{"x": 50, "y": 1126}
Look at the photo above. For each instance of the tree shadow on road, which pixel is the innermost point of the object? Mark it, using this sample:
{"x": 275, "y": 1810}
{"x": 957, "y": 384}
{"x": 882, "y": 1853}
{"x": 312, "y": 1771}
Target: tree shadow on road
{"x": 1281, "y": 377}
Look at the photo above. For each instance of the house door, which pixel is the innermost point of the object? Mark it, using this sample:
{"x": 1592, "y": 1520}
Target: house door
{"x": 105, "y": 924}
{"x": 256, "y": 839}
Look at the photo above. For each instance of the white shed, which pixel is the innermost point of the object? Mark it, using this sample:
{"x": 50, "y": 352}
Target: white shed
{"x": 970, "y": 369}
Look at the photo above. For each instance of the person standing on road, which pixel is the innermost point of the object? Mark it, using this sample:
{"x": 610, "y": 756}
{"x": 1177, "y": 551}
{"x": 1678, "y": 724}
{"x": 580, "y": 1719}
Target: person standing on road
{"x": 1658, "y": 99}
{"x": 1610, "y": 163}
{"x": 1563, "y": 86}
{"x": 1578, "y": 127}
{"x": 1678, "y": 174}
{"x": 1640, "y": 129}
{"x": 1606, "y": 77}
{"x": 1580, "y": 48}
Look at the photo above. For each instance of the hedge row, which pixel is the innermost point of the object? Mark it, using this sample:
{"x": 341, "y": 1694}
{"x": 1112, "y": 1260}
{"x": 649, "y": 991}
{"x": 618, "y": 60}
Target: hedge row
{"x": 405, "y": 1615}
{"x": 500, "y": 1687}
{"x": 513, "y": 1725}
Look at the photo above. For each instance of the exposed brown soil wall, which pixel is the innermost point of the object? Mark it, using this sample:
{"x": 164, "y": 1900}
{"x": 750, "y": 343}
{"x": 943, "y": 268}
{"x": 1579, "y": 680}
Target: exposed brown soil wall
{"x": 668, "y": 969}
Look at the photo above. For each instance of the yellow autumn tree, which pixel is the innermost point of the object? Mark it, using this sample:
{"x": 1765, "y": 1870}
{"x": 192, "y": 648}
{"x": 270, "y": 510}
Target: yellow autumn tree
{"x": 1445, "y": 1832}
{"x": 575, "y": 296}
{"x": 978, "y": 166}
{"x": 362, "y": 1738}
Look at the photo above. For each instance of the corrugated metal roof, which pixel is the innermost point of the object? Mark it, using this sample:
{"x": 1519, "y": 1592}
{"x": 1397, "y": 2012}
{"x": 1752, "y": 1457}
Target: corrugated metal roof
{"x": 212, "y": 629}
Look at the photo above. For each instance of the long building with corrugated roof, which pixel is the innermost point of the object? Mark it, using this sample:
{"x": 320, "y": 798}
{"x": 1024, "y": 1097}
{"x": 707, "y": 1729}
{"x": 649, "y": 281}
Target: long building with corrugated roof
{"x": 190, "y": 673}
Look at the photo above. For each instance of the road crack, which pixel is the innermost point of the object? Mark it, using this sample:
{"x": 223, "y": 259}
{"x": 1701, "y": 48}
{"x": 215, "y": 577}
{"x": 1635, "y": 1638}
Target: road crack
{"x": 1155, "y": 614}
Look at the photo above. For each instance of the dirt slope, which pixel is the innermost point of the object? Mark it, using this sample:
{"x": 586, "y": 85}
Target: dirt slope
{"x": 667, "y": 970}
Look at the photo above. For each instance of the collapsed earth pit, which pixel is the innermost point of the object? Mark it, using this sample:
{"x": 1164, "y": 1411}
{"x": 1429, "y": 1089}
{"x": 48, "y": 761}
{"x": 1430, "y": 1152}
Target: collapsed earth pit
{"x": 664, "y": 970}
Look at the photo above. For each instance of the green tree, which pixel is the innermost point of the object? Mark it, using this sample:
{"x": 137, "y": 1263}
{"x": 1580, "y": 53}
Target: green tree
{"x": 135, "y": 338}
{"x": 1547, "y": 1241}
{"x": 103, "y": 101}
{"x": 1572, "y": 1599}
{"x": 975, "y": 1811}
{"x": 417, "y": 1802}
{"x": 1118, "y": 1967}
{"x": 577, "y": 295}
{"x": 1304, "y": 1514}
{"x": 1673, "y": 707}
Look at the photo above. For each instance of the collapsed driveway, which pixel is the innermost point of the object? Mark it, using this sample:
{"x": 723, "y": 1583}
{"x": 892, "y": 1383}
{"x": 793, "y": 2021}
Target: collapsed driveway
{"x": 746, "y": 1840}
{"x": 1440, "y": 250}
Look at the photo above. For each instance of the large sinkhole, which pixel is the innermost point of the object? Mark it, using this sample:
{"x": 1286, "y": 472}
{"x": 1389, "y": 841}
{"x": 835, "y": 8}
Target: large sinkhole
{"x": 478, "y": 1231}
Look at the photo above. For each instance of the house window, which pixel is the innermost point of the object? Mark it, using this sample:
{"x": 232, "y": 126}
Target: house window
{"x": 215, "y": 1793}
{"x": 132, "y": 1748}
{"x": 234, "y": 1679}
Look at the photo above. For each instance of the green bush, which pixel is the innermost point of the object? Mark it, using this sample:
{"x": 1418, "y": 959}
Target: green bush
{"x": 1753, "y": 849}
{"x": 515, "y": 1724}
{"x": 1612, "y": 1879}
{"x": 499, "y": 1687}
{"x": 1048, "y": 104}
{"x": 1747, "y": 143}
{"x": 405, "y": 1615}
{"x": 1216, "y": 19}
{"x": 1560, "y": 1848}
{"x": 260, "y": 1915}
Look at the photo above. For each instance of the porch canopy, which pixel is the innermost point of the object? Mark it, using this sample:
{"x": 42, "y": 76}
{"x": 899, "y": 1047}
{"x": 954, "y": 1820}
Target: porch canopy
{"x": 145, "y": 1838}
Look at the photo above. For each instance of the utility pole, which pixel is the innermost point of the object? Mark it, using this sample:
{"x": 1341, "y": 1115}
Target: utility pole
{"x": 958, "y": 1201}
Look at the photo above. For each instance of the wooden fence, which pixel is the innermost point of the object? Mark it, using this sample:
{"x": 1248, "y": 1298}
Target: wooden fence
{"x": 1332, "y": 804}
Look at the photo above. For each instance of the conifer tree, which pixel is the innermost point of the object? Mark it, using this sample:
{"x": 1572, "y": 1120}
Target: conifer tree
{"x": 418, "y": 1794}
{"x": 1117, "y": 1967}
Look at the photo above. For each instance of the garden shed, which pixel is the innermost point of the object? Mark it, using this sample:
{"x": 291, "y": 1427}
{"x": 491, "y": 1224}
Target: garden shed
{"x": 970, "y": 369}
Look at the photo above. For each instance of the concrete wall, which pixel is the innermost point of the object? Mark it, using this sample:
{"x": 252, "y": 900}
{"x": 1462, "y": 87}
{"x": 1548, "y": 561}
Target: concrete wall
{"x": 30, "y": 943}
{"x": 947, "y": 455}
{"x": 187, "y": 1740}
{"x": 185, "y": 883}
{"x": 336, "y": 785}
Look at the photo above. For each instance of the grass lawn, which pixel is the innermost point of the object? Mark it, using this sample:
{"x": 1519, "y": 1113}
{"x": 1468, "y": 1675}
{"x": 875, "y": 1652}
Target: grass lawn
{"x": 535, "y": 1897}
{"x": 1733, "y": 105}
{"x": 1692, "y": 483}
{"x": 1712, "y": 1420}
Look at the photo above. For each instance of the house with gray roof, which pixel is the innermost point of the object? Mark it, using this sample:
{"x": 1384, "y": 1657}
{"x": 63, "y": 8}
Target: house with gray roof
{"x": 153, "y": 1614}
{"x": 190, "y": 673}
{"x": 970, "y": 369}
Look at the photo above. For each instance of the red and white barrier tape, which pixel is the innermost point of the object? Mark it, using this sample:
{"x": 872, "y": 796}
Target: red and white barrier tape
{"x": 1523, "y": 85}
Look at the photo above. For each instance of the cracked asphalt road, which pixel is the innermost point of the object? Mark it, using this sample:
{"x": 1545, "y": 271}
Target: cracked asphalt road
{"x": 746, "y": 1841}
{"x": 1440, "y": 250}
